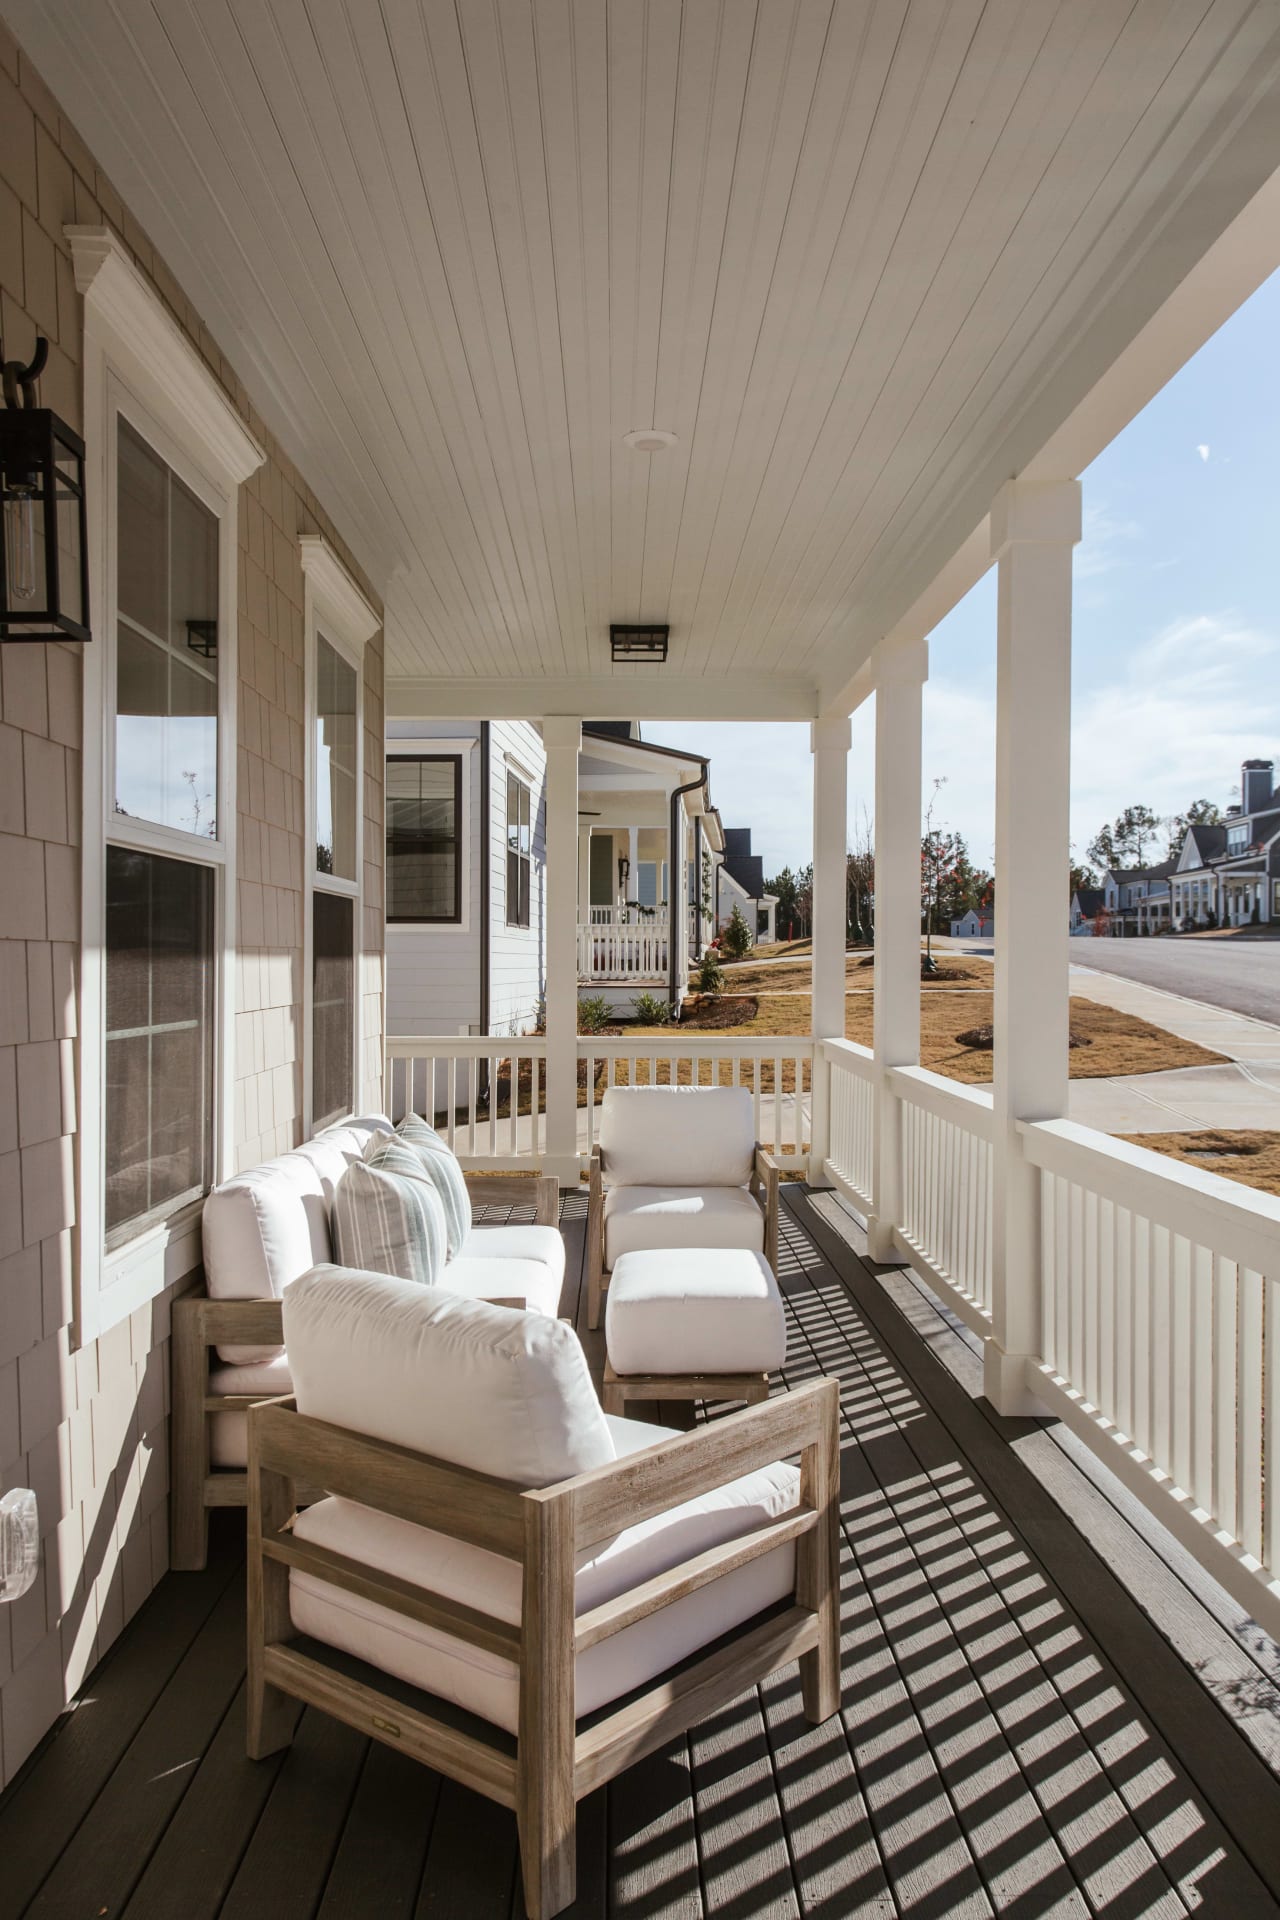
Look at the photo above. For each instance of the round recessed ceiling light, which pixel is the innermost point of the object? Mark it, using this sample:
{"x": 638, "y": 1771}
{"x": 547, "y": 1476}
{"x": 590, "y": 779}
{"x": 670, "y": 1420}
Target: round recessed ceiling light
{"x": 649, "y": 439}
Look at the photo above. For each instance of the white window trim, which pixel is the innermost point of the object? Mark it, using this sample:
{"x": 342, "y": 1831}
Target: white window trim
{"x": 407, "y": 747}
{"x": 526, "y": 779}
{"x": 137, "y": 362}
{"x": 336, "y": 609}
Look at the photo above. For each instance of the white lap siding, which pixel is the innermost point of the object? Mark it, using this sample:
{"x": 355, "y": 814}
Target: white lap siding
{"x": 518, "y": 954}
{"x": 433, "y": 973}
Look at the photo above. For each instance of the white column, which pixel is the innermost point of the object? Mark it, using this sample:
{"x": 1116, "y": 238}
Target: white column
{"x": 829, "y": 743}
{"x": 1034, "y": 527}
{"x": 584, "y": 873}
{"x": 562, "y": 739}
{"x": 632, "y": 891}
{"x": 900, "y": 673}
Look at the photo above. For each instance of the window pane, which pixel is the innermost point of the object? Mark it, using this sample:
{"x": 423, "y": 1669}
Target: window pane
{"x": 422, "y": 838}
{"x": 159, "y": 994}
{"x": 166, "y": 646}
{"x": 335, "y": 763}
{"x": 333, "y": 1006}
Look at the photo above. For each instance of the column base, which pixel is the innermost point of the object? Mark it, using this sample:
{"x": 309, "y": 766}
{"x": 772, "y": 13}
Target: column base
{"x": 1005, "y": 1378}
{"x": 567, "y": 1168}
{"x": 880, "y": 1245}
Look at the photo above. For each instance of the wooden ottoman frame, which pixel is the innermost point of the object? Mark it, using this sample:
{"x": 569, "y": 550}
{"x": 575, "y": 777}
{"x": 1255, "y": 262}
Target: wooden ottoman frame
{"x": 552, "y": 1763}
{"x": 201, "y": 1324}
{"x": 765, "y": 1176}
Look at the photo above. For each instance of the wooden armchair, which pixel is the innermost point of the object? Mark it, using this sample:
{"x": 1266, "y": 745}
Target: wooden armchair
{"x": 555, "y": 1758}
{"x": 763, "y": 1187}
{"x": 201, "y": 1325}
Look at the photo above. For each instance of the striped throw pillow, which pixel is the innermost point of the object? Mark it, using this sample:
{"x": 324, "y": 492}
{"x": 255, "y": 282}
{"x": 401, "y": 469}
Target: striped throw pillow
{"x": 388, "y": 1216}
{"x": 443, "y": 1170}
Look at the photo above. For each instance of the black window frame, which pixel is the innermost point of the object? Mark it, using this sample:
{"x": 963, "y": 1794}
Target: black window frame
{"x": 453, "y": 919}
{"x": 523, "y": 861}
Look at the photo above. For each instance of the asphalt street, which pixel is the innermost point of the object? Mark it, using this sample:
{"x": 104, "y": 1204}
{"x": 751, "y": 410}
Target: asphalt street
{"x": 1241, "y": 975}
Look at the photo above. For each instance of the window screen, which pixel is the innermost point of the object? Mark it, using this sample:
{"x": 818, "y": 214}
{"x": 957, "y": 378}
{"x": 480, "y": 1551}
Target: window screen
{"x": 424, "y": 825}
{"x": 332, "y": 1006}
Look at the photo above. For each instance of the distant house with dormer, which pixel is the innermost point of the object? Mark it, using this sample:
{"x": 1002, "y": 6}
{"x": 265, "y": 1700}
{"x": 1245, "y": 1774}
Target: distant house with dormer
{"x": 1229, "y": 875}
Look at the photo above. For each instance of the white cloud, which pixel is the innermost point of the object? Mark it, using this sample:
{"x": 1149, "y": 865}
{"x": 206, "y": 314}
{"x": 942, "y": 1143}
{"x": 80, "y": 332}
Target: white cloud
{"x": 1203, "y": 450}
{"x": 1104, "y": 536}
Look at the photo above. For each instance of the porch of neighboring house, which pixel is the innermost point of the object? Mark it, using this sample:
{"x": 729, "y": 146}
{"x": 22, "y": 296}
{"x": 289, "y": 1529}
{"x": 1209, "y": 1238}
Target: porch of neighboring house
{"x": 1047, "y": 1710}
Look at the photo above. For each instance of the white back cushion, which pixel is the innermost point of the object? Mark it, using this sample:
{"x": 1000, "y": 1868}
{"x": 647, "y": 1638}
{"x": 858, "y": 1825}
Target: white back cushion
{"x": 489, "y": 1388}
{"x": 677, "y": 1136}
{"x": 264, "y": 1227}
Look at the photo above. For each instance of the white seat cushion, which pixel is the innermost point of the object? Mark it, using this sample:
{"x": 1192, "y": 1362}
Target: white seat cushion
{"x": 640, "y": 1217}
{"x": 696, "y": 1310}
{"x": 517, "y": 1243}
{"x": 477, "y": 1277}
{"x": 266, "y": 1226}
{"x": 498, "y": 1391}
{"x": 229, "y": 1432}
{"x": 701, "y": 1136}
{"x": 485, "y": 1684}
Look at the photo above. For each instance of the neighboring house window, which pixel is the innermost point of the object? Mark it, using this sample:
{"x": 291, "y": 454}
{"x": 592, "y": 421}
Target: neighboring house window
{"x": 339, "y": 620}
{"x": 166, "y": 455}
{"x": 1237, "y": 837}
{"x": 424, "y": 839}
{"x": 519, "y": 851}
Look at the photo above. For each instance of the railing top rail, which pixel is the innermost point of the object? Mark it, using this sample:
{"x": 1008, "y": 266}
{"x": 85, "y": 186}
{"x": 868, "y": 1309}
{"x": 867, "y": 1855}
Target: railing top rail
{"x": 1236, "y": 1221}
{"x": 970, "y": 1107}
{"x": 850, "y": 1056}
{"x": 442, "y": 1046}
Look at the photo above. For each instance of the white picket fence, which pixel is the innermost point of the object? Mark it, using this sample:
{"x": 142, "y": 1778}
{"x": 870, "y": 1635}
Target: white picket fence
{"x": 464, "y": 1087}
{"x": 850, "y": 1161}
{"x": 945, "y": 1186}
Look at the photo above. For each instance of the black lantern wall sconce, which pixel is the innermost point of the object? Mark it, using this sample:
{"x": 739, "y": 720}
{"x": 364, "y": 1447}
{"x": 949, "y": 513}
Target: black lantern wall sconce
{"x": 44, "y": 566}
{"x": 624, "y": 873}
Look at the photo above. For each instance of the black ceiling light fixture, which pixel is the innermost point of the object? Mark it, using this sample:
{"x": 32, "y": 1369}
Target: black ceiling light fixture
{"x": 638, "y": 644}
{"x": 44, "y": 566}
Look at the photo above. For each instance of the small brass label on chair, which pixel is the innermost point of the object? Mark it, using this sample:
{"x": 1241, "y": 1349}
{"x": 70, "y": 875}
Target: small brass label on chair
{"x": 386, "y": 1726}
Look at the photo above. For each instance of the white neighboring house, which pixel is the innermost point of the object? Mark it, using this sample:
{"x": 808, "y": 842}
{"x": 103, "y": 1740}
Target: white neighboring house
{"x": 466, "y": 866}
{"x": 972, "y": 926}
{"x": 1228, "y": 875}
{"x": 739, "y": 882}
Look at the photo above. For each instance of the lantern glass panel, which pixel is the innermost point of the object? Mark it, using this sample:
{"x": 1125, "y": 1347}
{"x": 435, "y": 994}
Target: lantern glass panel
{"x": 70, "y": 555}
{"x": 166, "y": 760}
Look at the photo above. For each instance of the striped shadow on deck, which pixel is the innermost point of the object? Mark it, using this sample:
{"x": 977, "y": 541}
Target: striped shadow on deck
{"x": 1018, "y": 1736}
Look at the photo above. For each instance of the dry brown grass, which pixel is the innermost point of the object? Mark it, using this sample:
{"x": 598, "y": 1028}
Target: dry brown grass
{"x": 769, "y": 950}
{"x": 746, "y": 978}
{"x": 1246, "y": 1155}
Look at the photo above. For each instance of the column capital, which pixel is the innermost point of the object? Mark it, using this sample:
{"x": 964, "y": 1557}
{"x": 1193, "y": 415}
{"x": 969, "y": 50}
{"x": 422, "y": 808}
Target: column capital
{"x": 900, "y": 663}
{"x": 1042, "y": 513}
{"x": 561, "y": 730}
{"x": 831, "y": 734}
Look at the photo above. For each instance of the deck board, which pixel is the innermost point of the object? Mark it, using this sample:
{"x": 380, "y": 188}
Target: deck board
{"x": 1018, "y": 1735}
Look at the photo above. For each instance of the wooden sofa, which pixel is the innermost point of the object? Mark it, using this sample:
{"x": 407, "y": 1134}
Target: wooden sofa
{"x": 208, "y": 1330}
{"x": 547, "y": 1743}
{"x": 677, "y": 1167}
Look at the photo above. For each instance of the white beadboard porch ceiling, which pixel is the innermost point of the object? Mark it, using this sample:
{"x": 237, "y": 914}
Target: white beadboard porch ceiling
{"x": 862, "y": 256}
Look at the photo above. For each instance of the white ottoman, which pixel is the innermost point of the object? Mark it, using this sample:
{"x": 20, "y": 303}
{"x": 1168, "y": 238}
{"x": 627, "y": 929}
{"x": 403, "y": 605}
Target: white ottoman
{"x": 692, "y": 1323}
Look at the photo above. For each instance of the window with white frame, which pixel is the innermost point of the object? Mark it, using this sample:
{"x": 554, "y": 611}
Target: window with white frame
{"x": 1238, "y": 837}
{"x": 519, "y": 850}
{"x": 166, "y": 453}
{"x": 339, "y": 621}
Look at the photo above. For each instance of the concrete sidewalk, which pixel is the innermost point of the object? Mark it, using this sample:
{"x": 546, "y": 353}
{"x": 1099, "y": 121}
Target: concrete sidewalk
{"x": 1243, "y": 1092}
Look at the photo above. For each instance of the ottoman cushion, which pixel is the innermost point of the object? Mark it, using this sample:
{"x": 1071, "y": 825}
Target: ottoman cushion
{"x": 714, "y": 1217}
{"x": 694, "y": 1310}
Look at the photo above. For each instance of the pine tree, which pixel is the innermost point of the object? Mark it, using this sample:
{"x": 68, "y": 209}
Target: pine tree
{"x": 736, "y": 938}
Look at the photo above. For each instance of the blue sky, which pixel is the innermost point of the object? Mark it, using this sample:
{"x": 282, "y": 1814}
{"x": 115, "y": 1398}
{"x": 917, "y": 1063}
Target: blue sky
{"x": 1176, "y": 629}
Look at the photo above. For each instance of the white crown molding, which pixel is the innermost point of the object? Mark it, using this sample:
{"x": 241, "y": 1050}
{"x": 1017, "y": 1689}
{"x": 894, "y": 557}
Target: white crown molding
{"x": 121, "y": 302}
{"x": 336, "y": 593}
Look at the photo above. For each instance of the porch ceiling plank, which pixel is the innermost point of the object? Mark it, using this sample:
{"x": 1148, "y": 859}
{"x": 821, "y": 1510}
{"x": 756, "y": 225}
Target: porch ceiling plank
{"x": 865, "y": 261}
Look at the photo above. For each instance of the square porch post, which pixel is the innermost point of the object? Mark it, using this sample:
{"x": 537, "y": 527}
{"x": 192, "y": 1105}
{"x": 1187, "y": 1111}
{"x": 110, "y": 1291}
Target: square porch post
{"x": 1034, "y": 526}
{"x": 900, "y": 671}
{"x": 829, "y": 740}
{"x": 562, "y": 738}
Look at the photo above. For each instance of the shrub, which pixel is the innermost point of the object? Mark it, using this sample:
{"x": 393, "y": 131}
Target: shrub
{"x": 593, "y": 1014}
{"x": 735, "y": 939}
{"x": 710, "y": 974}
{"x": 650, "y": 1011}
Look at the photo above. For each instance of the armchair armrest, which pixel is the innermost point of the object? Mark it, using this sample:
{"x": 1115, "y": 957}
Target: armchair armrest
{"x": 517, "y": 1190}
{"x": 214, "y": 1323}
{"x": 766, "y": 1175}
{"x": 595, "y": 1239}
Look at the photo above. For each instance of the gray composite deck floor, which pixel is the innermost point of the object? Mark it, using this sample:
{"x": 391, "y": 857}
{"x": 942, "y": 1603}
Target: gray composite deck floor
{"x": 1046, "y": 1710}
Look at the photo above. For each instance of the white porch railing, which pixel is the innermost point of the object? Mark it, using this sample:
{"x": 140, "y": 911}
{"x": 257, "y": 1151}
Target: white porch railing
{"x": 851, "y": 1161}
{"x": 1161, "y": 1342}
{"x": 486, "y": 1096}
{"x": 945, "y": 1187}
{"x": 636, "y": 952}
{"x": 778, "y": 1073}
